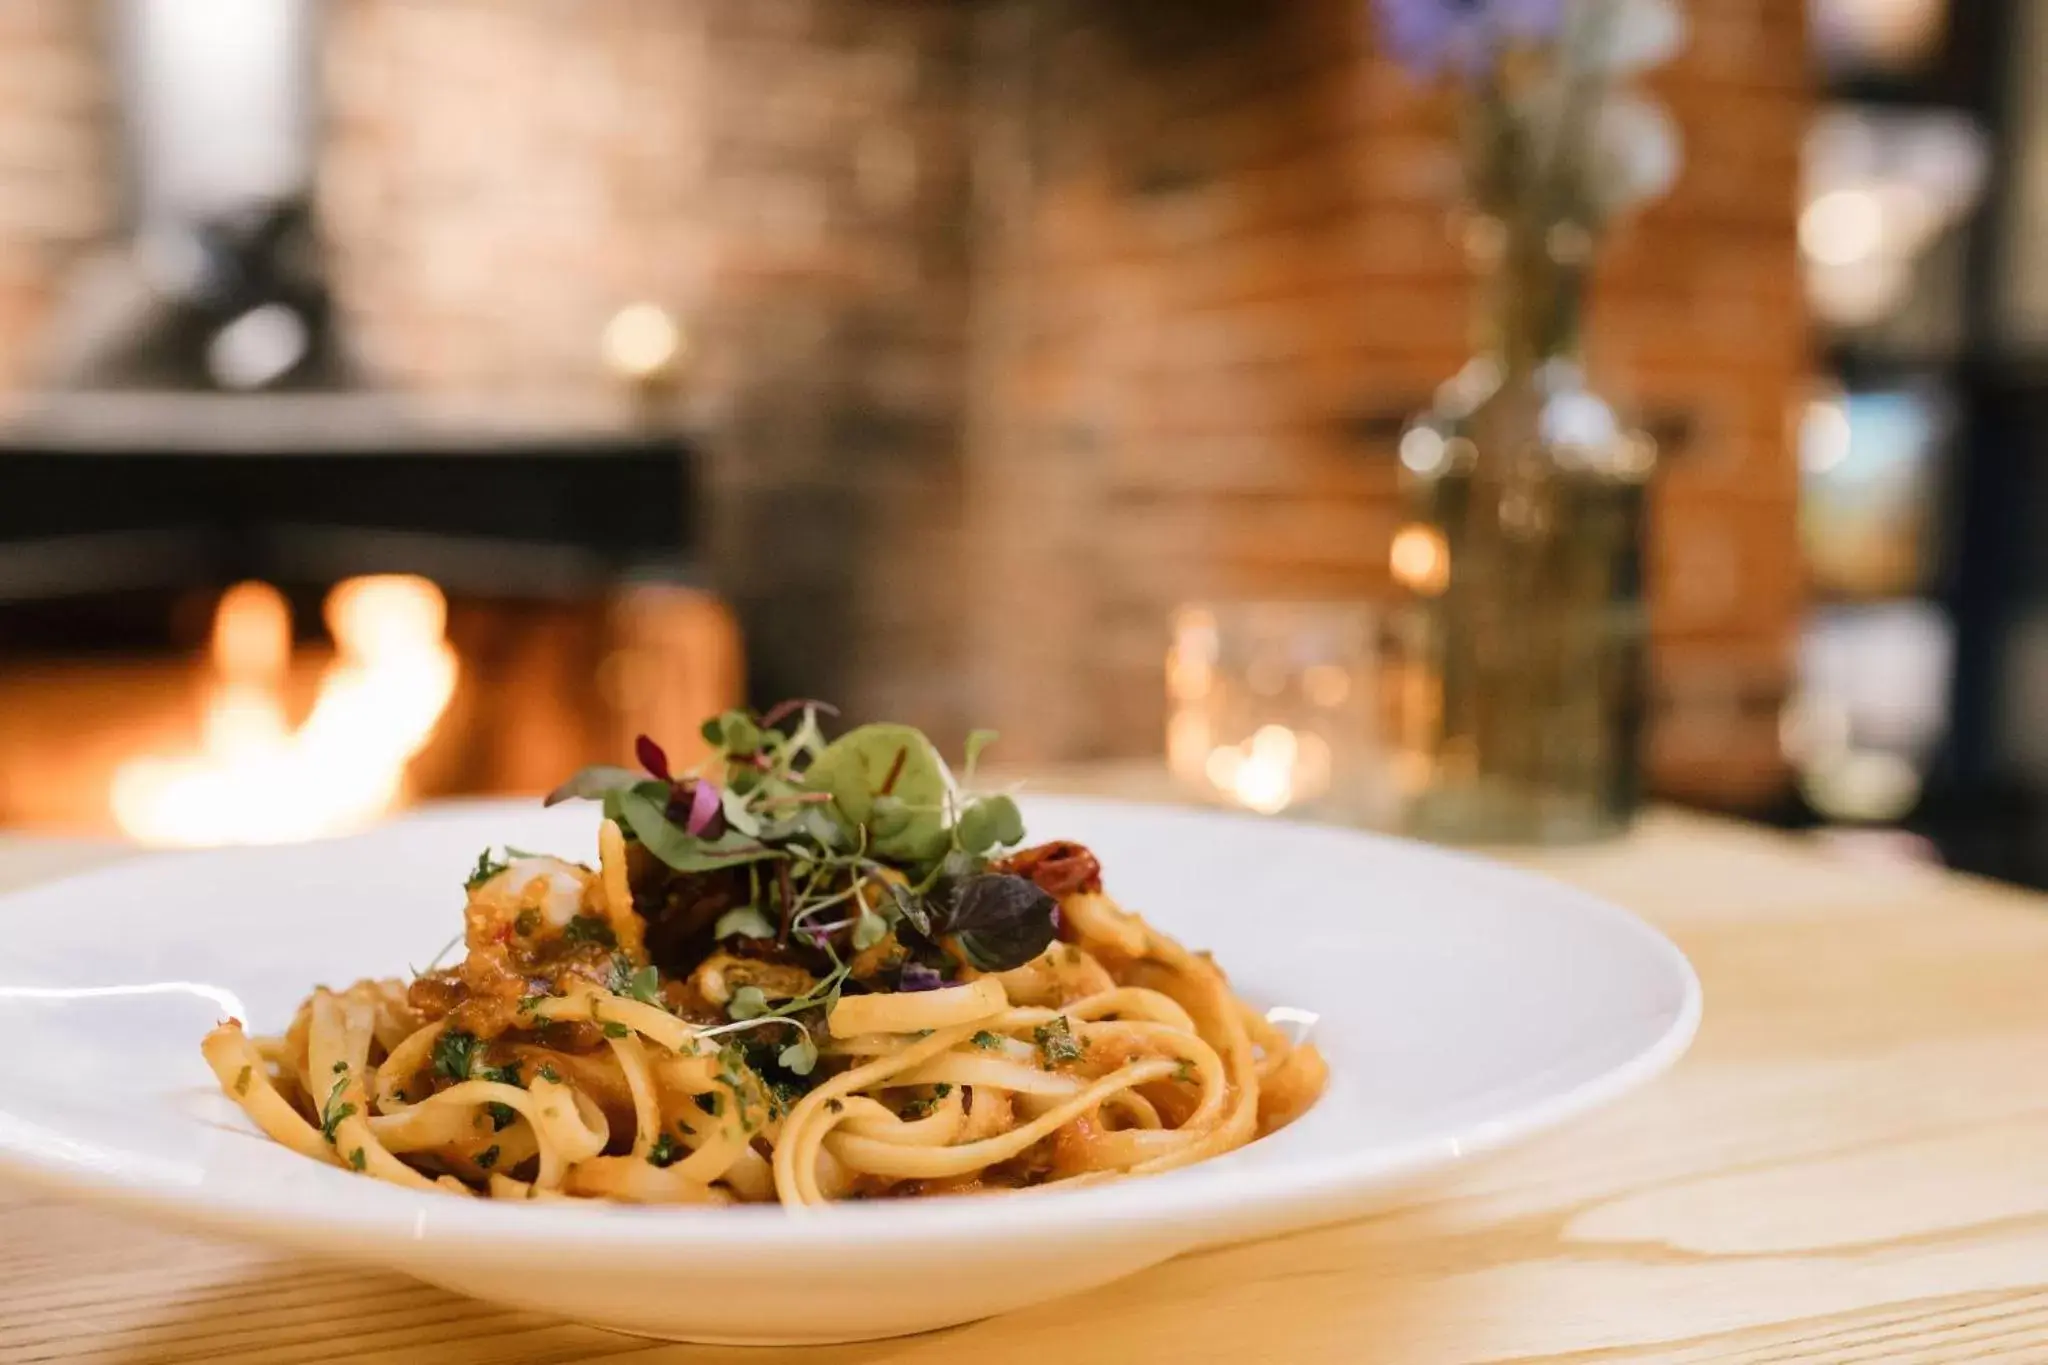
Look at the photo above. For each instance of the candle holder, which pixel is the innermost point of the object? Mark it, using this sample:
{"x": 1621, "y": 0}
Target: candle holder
{"x": 1275, "y": 707}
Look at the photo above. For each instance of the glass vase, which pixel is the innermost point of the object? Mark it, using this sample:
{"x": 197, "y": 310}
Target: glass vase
{"x": 1522, "y": 565}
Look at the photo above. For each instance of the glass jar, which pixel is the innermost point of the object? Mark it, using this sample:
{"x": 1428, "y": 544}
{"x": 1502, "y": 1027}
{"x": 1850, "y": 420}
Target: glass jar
{"x": 1521, "y": 562}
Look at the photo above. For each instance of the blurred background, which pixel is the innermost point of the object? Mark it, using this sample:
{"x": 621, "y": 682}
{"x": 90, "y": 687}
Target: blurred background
{"x": 412, "y": 398}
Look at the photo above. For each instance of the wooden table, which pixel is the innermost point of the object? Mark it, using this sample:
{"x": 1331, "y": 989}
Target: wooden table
{"x": 1852, "y": 1165}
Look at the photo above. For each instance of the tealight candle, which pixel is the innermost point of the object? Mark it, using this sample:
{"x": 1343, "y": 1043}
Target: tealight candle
{"x": 1273, "y": 707}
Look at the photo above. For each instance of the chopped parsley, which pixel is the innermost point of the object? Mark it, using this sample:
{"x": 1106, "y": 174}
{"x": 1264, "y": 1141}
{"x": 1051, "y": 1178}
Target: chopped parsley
{"x": 357, "y": 1160}
{"x": 591, "y": 929}
{"x": 1185, "y": 1071}
{"x": 547, "y": 1072}
{"x": 529, "y": 1003}
{"x": 506, "y": 1073}
{"x": 242, "y": 1082}
{"x": 663, "y": 1151}
{"x": 487, "y": 867}
{"x": 614, "y": 1029}
{"x": 501, "y": 1115}
{"x": 340, "y": 1067}
{"x": 985, "y": 1040}
{"x": 942, "y": 1089}
{"x": 1056, "y": 1042}
{"x": 488, "y": 1157}
{"x": 335, "y": 1110}
{"x": 455, "y": 1053}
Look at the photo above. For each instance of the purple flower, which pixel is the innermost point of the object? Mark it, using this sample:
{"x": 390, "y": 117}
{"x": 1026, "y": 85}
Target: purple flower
{"x": 1427, "y": 36}
{"x": 918, "y": 977}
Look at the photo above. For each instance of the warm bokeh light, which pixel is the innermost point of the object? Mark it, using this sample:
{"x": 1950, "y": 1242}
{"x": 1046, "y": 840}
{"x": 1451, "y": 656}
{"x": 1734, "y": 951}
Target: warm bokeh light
{"x": 255, "y": 779}
{"x": 642, "y": 341}
{"x": 1274, "y": 769}
{"x": 1420, "y": 560}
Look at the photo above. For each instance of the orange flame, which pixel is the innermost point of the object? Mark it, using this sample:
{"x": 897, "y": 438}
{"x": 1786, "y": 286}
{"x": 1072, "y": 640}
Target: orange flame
{"x": 255, "y": 779}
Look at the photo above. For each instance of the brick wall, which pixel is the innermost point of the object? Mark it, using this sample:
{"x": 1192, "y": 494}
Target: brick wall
{"x": 1013, "y": 323}
{"x": 788, "y": 177}
{"x": 1214, "y": 260}
{"x": 56, "y": 166}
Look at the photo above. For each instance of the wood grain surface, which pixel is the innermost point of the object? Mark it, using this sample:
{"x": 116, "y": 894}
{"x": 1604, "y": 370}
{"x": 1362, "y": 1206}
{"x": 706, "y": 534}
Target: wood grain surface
{"x": 1852, "y": 1165}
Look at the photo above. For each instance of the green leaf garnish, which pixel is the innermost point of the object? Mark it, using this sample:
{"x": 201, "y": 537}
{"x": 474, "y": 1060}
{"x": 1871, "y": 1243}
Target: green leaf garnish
{"x": 648, "y": 820}
{"x": 644, "y": 985}
{"x": 746, "y": 921}
{"x": 869, "y": 930}
{"x": 800, "y": 1056}
{"x": 591, "y": 784}
{"x": 977, "y": 740}
{"x": 892, "y": 764}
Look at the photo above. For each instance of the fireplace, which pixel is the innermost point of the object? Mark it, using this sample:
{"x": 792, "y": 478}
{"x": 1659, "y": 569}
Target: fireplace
{"x": 246, "y": 645}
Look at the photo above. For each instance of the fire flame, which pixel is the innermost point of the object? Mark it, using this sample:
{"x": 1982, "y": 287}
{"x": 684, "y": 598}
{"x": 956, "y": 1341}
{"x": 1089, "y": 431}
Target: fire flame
{"x": 257, "y": 780}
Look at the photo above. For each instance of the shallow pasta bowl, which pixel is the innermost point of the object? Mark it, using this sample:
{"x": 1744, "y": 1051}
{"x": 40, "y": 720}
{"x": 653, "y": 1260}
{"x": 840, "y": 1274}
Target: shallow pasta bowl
{"x": 1461, "y": 1006}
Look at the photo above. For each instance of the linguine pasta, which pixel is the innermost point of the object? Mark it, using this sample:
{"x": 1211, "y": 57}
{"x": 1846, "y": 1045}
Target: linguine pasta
{"x": 854, "y": 1001}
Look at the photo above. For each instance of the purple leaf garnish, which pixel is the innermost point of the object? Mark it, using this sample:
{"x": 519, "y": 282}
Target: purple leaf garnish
{"x": 651, "y": 757}
{"x": 1000, "y": 921}
{"x": 918, "y": 977}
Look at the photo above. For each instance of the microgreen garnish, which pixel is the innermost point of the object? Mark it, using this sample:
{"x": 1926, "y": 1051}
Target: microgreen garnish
{"x": 547, "y": 1072}
{"x": 663, "y": 1151}
{"x": 746, "y": 921}
{"x": 800, "y": 1056}
{"x": 868, "y": 930}
{"x": 644, "y": 985}
{"x": 501, "y": 1115}
{"x": 1056, "y": 1041}
{"x": 614, "y": 1029}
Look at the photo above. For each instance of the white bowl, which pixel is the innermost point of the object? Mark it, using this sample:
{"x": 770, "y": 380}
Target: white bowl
{"x": 1461, "y": 1006}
